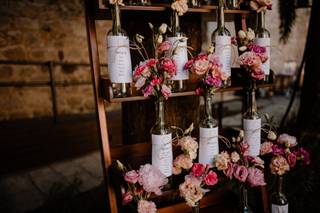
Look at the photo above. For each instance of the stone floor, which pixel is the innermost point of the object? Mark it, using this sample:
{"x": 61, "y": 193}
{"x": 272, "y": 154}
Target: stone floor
{"x": 28, "y": 190}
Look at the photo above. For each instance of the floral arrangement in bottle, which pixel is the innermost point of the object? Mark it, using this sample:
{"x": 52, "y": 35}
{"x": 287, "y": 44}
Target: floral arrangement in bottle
{"x": 153, "y": 75}
{"x": 207, "y": 66}
{"x": 260, "y": 5}
{"x": 252, "y": 55}
{"x": 140, "y": 185}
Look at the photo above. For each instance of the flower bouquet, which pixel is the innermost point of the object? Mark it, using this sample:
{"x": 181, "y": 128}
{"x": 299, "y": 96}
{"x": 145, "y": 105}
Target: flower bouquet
{"x": 139, "y": 185}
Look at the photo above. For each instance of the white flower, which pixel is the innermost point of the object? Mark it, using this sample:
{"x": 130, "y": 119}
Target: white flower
{"x": 242, "y": 34}
{"x": 163, "y": 28}
{"x": 250, "y": 34}
{"x": 139, "y": 38}
{"x": 243, "y": 48}
{"x": 151, "y": 26}
{"x": 160, "y": 39}
{"x": 235, "y": 157}
{"x": 272, "y": 135}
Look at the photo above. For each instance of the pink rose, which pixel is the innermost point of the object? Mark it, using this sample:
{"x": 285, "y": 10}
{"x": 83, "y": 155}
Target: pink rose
{"x": 164, "y": 46}
{"x": 292, "y": 159}
{"x": 229, "y": 171}
{"x": 126, "y": 198}
{"x": 166, "y": 91}
{"x": 255, "y": 177}
{"x": 145, "y": 206}
{"x": 266, "y": 148}
{"x": 147, "y": 91}
{"x": 198, "y": 169}
{"x": 131, "y": 176}
{"x": 211, "y": 178}
{"x": 241, "y": 173}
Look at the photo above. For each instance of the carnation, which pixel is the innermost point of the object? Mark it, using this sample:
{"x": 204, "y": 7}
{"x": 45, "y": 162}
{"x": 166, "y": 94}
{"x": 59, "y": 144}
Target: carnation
{"x": 180, "y": 6}
{"x": 191, "y": 190}
{"x": 221, "y": 160}
{"x": 255, "y": 177}
{"x": 145, "y": 206}
{"x": 151, "y": 179}
{"x": 266, "y": 148}
{"x": 235, "y": 157}
{"x": 182, "y": 161}
{"x": 189, "y": 145}
{"x": 211, "y": 178}
{"x": 198, "y": 169}
{"x": 279, "y": 165}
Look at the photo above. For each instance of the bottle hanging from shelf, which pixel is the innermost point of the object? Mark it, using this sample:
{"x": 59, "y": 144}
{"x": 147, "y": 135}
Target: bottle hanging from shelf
{"x": 161, "y": 136}
{"x": 221, "y": 40}
{"x": 119, "y": 58}
{"x": 263, "y": 39}
{"x": 208, "y": 134}
{"x": 252, "y": 124}
{"x": 279, "y": 202}
{"x": 180, "y": 54}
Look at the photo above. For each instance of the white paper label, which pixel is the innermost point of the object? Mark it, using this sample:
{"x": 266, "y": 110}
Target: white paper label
{"x": 208, "y": 145}
{"x": 119, "y": 60}
{"x": 180, "y": 57}
{"x": 223, "y": 51}
{"x": 279, "y": 209}
{"x": 252, "y": 134}
{"x": 162, "y": 153}
{"x": 265, "y": 42}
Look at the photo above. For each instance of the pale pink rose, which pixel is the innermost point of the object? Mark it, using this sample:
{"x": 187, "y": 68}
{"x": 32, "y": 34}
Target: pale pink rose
{"x": 127, "y": 198}
{"x": 211, "y": 178}
{"x": 182, "y": 161}
{"x": 191, "y": 190}
{"x": 189, "y": 145}
{"x": 221, "y": 160}
{"x": 288, "y": 140}
{"x": 151, "y": 179}
{"x": 279, "y": 165}
{"x": 292, "y": 159}
{"x": 235, "y": 157}
{"x": 131, "y": 176}
{"x": 198, "y": 169}
{"x": 200, "y": 66}
{"x": 166, "y": 91}
{"x": 266, "y": 148}
{"x": 240, "y": 173}
{"x": 147, "y": 91}
{"x": 140, "y": 83}
{"x": 164, "y": 46}
{"x": 255, "y": 177}
{"x": 229, "y": 171}
{"x": 145, "y": 206}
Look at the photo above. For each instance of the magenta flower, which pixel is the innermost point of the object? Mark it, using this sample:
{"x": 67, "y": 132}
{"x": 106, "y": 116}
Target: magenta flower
{"x": 131, "y": 176}
{"x": 168, "y": 65}
{"x": 127, "y": 198}
{"x": 164, "y": 46}
{"x": 241, "y": 173}
{"x": 305, "y": 156}
{"x": 147, "y": 91}
{"x": 156, "y": 81}
{"x": 255, "y": 177}
{"x": 277, "y": 150}
{"x": 199, "y": 91}
{"x": 198, "y": 169}
{"x": 292, "y": 159}
{"x": 257, "y": 48}
{"x": 257, "y": 73}
{"x": 211, "y": 178}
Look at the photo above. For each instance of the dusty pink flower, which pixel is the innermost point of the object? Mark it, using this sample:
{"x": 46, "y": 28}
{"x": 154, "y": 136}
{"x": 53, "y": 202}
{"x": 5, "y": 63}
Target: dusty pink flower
{"x": 131, "y": 176}
{"x": 255, "y": 177}
{"x": 145, "y": 206}
{"x": 151, "y": 179}
{"x": 165, "y": 90}
{"x": 147, "y": 91}
{"x": 229, "y": 171}
{"x": 211, "y": 178}
{"x": 279, "y": 165}
{"x": 191, "y": 190}
{"x": 266, "y": 148}
{"x": 241, "y": 173}
{"x": 288, "y": 140}
{"x": 244, "y": 148}
{"x": 182, "y": 161}
{"x": 139, "y": 69}
{"x": 198, "y": 169}
{"x": 164, "y": 46}
{"x": 257, "y": 161}
{"x": 126, "y": 198}
{"x": 140, "y": 82}
{"x": 292, "y": 159}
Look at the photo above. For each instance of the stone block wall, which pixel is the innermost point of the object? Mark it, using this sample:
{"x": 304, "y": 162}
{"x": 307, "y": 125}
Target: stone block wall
{"x": 54, "y": 30}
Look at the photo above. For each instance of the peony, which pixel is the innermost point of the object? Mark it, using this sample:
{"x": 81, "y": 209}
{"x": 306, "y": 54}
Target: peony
{"x": 240, "y": 173}
{"x": 229, "y": 171}
{"x": 221, "y": 161}
{"x": 255, "y": 177}
{"x": 288, "y": 140}
{"x": 235, "y": 157}
{"x": 279, "y": 165}
{"x": 131, "y": 176}
{"x": 163, "y": 28}
{"x": 198, "y": 169}
{"x": 189, "y": 145}
{"x": 292, "y": 159}
{"x": 145, "y": 206}
{"x": 165, "y": 90}
{"x": 164, "y": 46}
{"x": 211, "y": 178}
{"x": 126, "y": 198}
{"x": 180, "y": 6}
{"x": 266, "y": 148}
{"x": 151, "y": 179}
{"x": 191, "y": 190}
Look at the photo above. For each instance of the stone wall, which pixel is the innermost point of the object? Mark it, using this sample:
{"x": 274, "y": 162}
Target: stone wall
{"x": 54, "y": 30}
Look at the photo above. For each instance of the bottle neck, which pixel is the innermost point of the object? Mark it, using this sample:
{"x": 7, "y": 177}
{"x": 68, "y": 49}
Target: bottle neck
{"x": 279, "y": 184}
{"x": 220, "y": 14}
{"x": 244, "y": 197}
{"x": 175, "y": 23}
{"x": 208, "y": 105}
{"x": 252, "y": 104}
{"x": 116, "y": 25}
{"x": 261, "y": 20}
{"x": 160, "y": 112}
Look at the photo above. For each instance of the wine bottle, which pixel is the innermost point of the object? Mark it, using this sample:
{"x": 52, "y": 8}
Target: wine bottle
{"x": 119, "y": 59}
{"x": 279, "y": 202}
{"x": 208, "y": 134}
{"x": 263, "y": 39}
{"x": 180, "y": 53}
{"x": 161, "y": 136}
{"x": 252, "y": 125}
{"x": 221, "y": 40}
